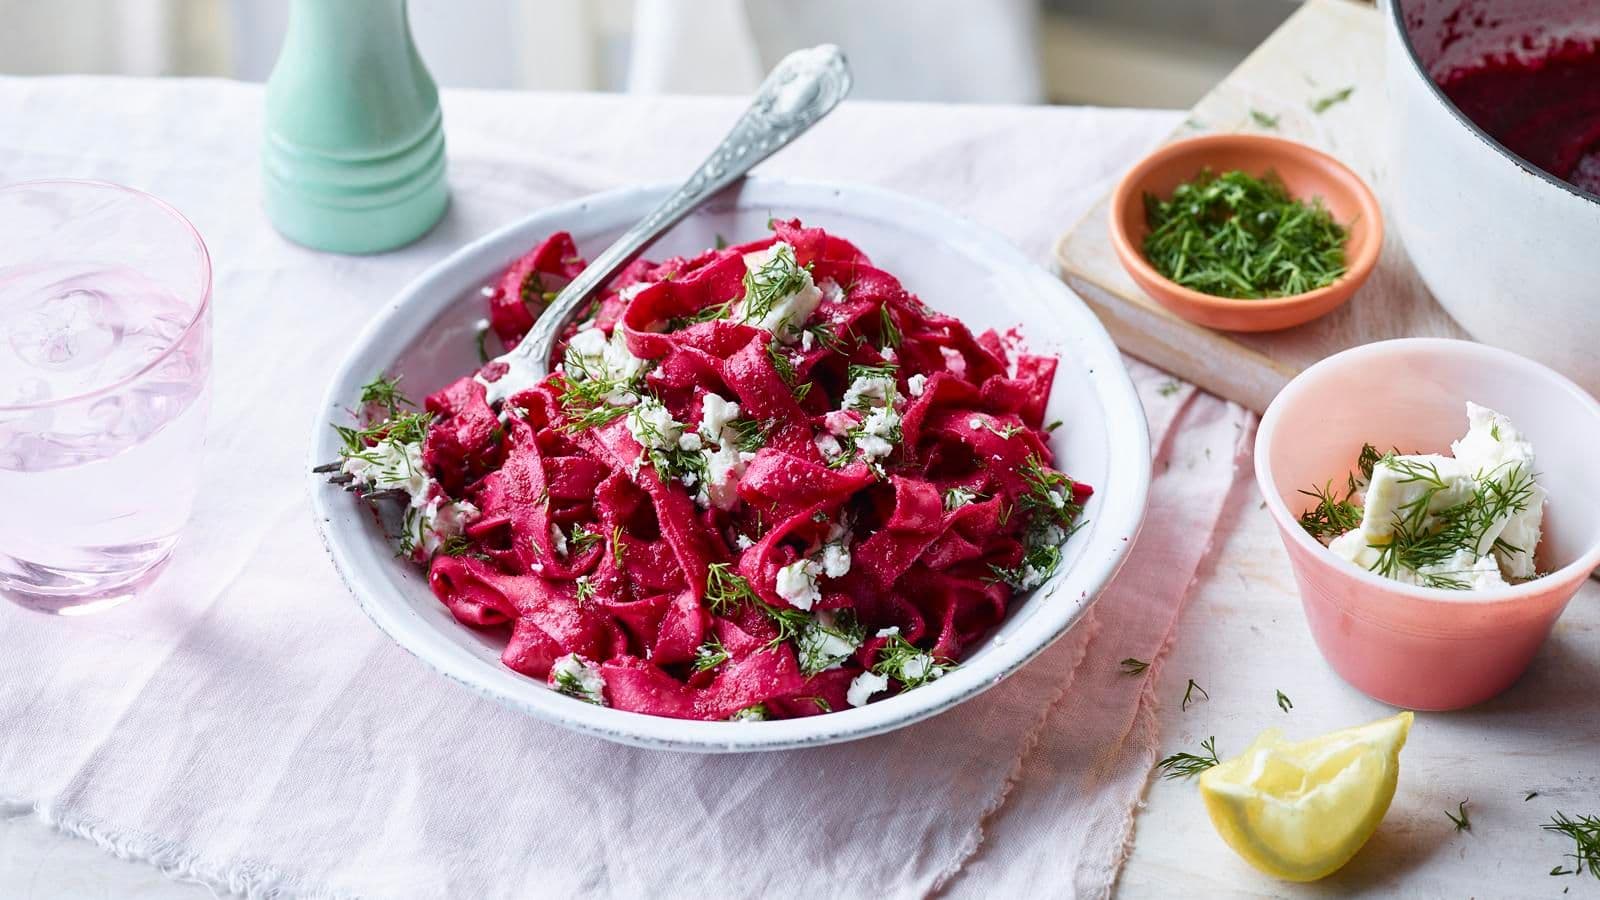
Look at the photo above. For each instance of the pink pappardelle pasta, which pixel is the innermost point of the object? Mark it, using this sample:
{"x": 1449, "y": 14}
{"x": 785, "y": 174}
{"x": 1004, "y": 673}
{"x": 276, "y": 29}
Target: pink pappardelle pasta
{"x": 763, "y": 482}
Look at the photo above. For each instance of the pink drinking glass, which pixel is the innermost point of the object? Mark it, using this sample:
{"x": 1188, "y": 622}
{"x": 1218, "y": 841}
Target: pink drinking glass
{"x": 105, "y": 363}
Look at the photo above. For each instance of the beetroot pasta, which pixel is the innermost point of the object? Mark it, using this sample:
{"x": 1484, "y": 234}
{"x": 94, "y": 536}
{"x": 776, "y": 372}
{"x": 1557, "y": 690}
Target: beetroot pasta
{"x": 762, "y": 482}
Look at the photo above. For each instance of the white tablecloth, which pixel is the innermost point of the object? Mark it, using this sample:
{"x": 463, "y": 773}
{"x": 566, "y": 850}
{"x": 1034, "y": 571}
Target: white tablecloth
{"x": 244, "y": 725}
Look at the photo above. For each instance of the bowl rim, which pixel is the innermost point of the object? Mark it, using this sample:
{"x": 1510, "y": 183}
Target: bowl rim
{"x": 1289, "y": 524}
{"x": 1403, "y": 34}
{"x": 1133, "y": 258}
{"x": 1127, "y": 461}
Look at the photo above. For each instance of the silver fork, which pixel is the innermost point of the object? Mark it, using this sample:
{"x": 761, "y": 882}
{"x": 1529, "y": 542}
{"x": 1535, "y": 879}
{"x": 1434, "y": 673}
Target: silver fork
{"x": 803, "y": 88}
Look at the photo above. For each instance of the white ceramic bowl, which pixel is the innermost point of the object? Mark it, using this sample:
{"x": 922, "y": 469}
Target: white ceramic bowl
{"x": 426, "y": 335}
{"x": 1507, "y": 249}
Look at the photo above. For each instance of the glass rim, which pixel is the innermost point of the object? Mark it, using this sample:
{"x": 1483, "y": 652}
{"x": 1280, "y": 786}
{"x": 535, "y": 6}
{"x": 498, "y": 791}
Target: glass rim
{"x": 188, "y": 328}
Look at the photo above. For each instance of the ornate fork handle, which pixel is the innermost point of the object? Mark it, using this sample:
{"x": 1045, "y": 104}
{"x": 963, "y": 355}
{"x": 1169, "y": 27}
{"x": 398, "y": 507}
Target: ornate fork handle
{"x": 804, "y": 87}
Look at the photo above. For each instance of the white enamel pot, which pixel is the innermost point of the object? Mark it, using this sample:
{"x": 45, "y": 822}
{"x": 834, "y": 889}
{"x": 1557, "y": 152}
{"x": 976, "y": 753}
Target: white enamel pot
{"x": 1510, "y": 251}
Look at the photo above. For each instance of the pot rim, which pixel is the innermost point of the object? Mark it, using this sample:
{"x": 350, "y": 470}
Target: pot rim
{"x": 1397, "y": 20}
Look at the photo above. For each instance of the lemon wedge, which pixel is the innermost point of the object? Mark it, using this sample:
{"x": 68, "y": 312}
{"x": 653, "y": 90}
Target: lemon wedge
{"x": 1299, "y": 811}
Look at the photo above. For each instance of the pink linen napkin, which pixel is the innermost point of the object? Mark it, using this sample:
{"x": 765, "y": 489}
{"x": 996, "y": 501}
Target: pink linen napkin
{"x": 244, "y": 725}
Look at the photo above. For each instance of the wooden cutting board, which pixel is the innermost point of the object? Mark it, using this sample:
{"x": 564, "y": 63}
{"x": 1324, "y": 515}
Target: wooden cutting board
{"x": 1325, "y": 47}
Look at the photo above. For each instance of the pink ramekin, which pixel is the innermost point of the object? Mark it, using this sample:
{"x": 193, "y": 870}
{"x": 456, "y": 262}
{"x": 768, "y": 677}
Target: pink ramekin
{"x": 1418, "y": 647}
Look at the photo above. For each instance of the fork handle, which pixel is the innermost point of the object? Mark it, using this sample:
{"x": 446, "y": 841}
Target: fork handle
{"x": 805, "y": 86}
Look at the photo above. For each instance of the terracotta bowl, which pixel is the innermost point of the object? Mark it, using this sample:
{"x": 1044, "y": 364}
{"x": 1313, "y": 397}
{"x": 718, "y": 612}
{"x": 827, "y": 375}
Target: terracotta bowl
{"x": 1422, "y": 647}
{"x": 1306, "y": 172}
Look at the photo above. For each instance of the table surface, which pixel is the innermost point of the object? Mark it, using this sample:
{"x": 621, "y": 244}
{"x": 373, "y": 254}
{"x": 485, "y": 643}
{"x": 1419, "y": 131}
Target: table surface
{"x": 1241, "y": 637}
{"x": 1542, "y": 736}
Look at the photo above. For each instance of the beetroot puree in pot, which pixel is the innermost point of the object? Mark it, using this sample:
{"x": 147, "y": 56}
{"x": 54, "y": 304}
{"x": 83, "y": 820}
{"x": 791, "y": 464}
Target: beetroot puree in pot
{"x": 1545, "y": 109}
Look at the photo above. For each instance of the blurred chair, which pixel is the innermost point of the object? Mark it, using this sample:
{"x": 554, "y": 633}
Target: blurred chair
{"x": 936, "y": 50}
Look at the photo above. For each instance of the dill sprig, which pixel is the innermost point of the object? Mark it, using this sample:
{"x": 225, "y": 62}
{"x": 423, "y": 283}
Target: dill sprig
{"x": 1428, "y": 537}
{"x": 768, "y": 285}
{"x": 1188, "y": 694}
{"x": 1048, "y": 495}
{"x": 704, "y": 314}
{"x": 1132, "y": 666}
{"x": 1460, "y": 818}
{"x": 1235, "y": 235}
{"x": 455, "y": 545}
{"x": 582, "y": 539}
{"x": 906, "y": 663}
{"x": 400, "y": 428}
{"x": 751, "y": 435}
{"x": 1585, "y": 834}
{"x": 725, "y": 592}
{"x": 819, "y": 644}
{"x": 1264, "y": 120}
{"x": 1188, "y": 765}
{"x": 1284, "y": 703}
{"x": 888, "y": 330}
{"x": 1321, "y": 104}
{"x": 1331, "y": 515}
{"x": 825, "y": 336}
{"x": 384, "y": 392}
{"x": 710, "y": 654}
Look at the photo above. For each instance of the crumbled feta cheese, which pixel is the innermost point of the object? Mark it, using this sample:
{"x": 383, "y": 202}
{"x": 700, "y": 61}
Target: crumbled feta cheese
{"x": 797, "y": 583}
{"x": 652, "y": 425}
{"x": 916, "y": 384}
{"x": 389, "y": 465}
{"x": 868, "y": 390}
{"x": 835, "y": 560}
{"x": 891, "y": 631}
{"x": 578, "y": 677}
{"x": 784, "y": 315}
{"x": 558, "y": 540}
{"x": 756, "y": 713}
{"x": 824, "y": 645}
{"x": 715, "y": 414}
{"x": 878, "y": 433}
{"x": 591, "y": 356}
{"x": 831, "y": 291}
{"x": 887, "y": 353}
{"x": 957, "y": 497}
{"x": 828, "y": 445}
{"x": 975, "y": 423}
{"x": 840, "y": 421}
{"x": 743, "y": 542}
{"x": 1492, "y": 452}
{"x": 918, "y": 667}
{"x": 807, "y": 341}
{"x": 689, "y": 441}
{"x": 1496, "y": 451}
{"x": 863, "y": 686}
{"x": 438, "y": 520}
{"x": 724, "y": 467}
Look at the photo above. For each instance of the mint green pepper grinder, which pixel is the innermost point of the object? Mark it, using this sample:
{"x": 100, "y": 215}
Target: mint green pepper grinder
{"x": 353, "y": 158}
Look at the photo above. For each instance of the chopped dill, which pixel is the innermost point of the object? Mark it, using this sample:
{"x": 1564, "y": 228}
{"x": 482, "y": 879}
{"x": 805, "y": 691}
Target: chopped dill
{"x": 1459, "y": 818}
{"x": 1284, "y": 703}
{"x": 1321, "y": 105}
{"x": 1235, "y": 235}
{"x": 1188, "y": 765}
{"x": 888, "y": 330}
{"x": 903, "y": 661}
{"x": 1132, "y": 666}
{"x": 1188, "y": 694}
{"x": 1264, "y": 120}
{"x": 765, "y": 287}
{"x": 1585, "y": 834}
{"x": 710, "y": 654}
